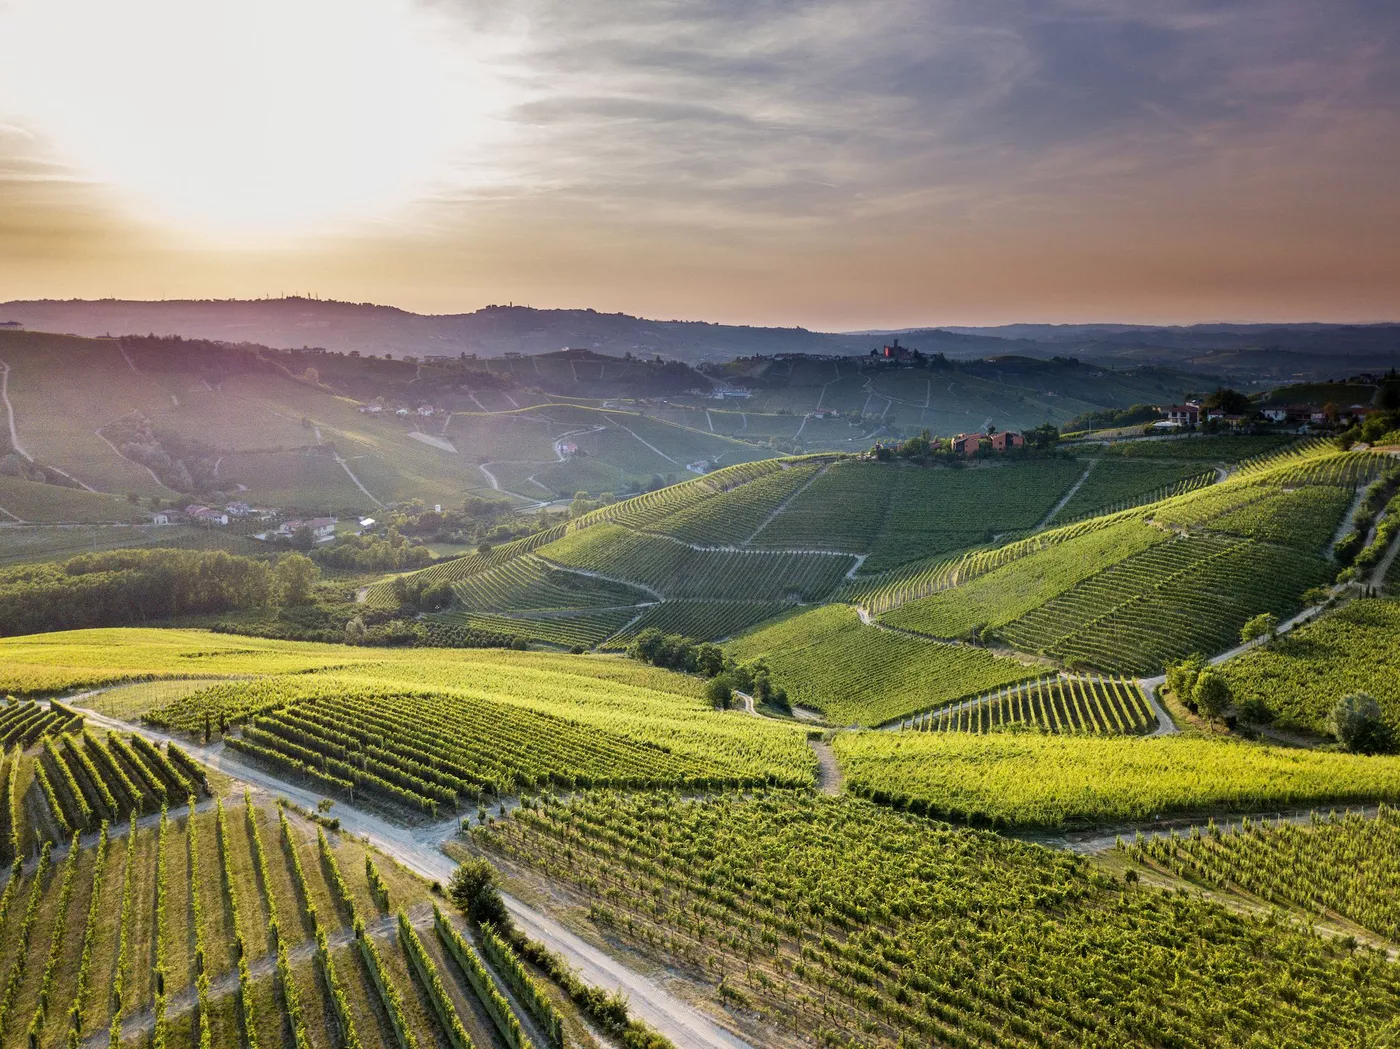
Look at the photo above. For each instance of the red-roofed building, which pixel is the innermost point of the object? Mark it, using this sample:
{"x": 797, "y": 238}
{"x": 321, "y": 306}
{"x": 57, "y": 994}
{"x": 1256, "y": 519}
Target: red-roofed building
{"x": 968, "y": 443}
{"x": 1007, "y": 439}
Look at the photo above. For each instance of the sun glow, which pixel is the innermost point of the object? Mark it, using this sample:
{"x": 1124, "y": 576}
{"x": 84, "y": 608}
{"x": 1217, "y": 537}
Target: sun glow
{"x": 248, "y": 118}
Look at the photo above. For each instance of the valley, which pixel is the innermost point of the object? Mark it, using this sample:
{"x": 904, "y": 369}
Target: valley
{"x": 753, "y": 750}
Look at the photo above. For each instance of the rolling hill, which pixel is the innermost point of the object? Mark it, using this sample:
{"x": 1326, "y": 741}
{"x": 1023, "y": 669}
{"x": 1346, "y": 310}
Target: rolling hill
{"x": 1157, "y": 558}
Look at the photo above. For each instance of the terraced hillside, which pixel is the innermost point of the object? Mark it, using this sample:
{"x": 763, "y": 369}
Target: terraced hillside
{"x": 1127, "y": 593}
{"x": 830, "y": 661}
{"x": 99, "y": 420}
{"x": 949, "y": 552}
{"x": 717, "y": 554}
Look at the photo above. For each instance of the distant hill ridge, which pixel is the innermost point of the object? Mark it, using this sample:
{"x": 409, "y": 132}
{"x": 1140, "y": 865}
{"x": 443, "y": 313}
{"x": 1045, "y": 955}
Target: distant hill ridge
{"x": 491, "y": 331}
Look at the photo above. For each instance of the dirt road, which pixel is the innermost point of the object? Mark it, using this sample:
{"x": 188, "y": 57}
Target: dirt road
{"x": 420, "y": 850}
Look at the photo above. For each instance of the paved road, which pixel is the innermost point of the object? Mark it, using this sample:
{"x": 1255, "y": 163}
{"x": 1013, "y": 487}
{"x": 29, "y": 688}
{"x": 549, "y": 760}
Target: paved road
{"x": 420, "y": 850}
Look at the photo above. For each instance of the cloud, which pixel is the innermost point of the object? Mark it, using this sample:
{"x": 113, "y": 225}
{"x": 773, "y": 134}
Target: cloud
{"x": 790, "y": 152}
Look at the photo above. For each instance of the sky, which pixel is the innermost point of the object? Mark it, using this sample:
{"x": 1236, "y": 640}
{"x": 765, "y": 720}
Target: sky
{"x": 835, "y": 165}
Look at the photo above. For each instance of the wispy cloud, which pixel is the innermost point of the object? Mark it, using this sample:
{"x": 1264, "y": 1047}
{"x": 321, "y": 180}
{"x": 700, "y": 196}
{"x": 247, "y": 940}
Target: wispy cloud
{"x": 676, "y": 155}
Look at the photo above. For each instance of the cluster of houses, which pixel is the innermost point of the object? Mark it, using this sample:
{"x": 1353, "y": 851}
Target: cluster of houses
{"x": 322, "y": 529}
{"x": 1192, "y": 414}
{"x": 971, "y": 443}
{"x": 209, "y": 515}
{"x": 424, "y": 411}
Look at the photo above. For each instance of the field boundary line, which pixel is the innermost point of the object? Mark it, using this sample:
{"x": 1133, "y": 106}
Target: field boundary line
{"x": 1064, "y": 500}
{"x": 784, "y": 504}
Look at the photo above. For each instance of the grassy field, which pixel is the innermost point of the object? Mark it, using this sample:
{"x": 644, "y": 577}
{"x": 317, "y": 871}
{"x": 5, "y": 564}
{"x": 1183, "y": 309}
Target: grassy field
{"x": 1028, "y": 779}
{"x": 35, "y": 502}
{"x": 832, "y": 921}
{"x": 862, "y": 675}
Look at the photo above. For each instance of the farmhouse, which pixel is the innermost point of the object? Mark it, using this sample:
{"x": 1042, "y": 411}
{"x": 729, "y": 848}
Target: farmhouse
{"x": 1188, "y": 414}
{"x": 968, "y": 443}
{"x": 204, "y": 515}
{"x": 321, "y": 528}
{"x": 1007, "y": 439}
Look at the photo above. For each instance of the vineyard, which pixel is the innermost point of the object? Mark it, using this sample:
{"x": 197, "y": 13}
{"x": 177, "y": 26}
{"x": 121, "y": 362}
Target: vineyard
{"x": 1298, "y": 678}
{"x": 702, "y": 620}
{"x": 224, "y": 926}
{"x": 23, "y": 723}
{"x": 887, "y": 536}
{"x": 585, "y": 628}
{"x": 1003, "y": 594}
{"x": 1346, "y": 865}
{"x": 732, "y": 517}
{"x": 862, "y": 675}
{"x": 498, "y": 719}
{"x": 919, "y": 579}
{"x": 44, "y": 664}
{"x": 846, "y": 924}
{"x": 842, "y": 509}
{"x": 1113, "y": 485}
{"x": 1223, "y": 449}
{"x": 1190, "y": 594}
{"x": 1041, "y": 780}
{"x": 432, "y": 753}
{"x": 676, "y": 570}
{"x": 1064, "y": 705}
{"x": 529, "y": 583}
{"x": 79, "y": 780}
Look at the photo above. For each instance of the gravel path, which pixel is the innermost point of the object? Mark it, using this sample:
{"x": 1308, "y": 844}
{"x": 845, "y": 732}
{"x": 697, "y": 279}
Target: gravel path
{"x": 420, "y": 850}
{"x": 1064, "y": 499}
{"x": 828, "y": 771}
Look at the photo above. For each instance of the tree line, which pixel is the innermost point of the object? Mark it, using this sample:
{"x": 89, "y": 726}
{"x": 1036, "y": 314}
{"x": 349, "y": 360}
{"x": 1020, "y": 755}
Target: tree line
{"x": 726, "y": 674}
{"x": 121, "y": 587}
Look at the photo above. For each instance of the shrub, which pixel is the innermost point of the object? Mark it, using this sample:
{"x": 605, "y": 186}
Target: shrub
{"x": 1356, "y": 722}
{"x": 473, "y": 890}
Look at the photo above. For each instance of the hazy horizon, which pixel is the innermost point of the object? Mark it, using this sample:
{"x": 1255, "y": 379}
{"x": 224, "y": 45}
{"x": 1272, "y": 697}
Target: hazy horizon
{"x": 870, "y": 330}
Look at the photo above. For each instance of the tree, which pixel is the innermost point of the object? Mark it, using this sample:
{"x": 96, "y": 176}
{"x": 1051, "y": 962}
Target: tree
{"x": 1181, "y": 677}
{"x": 1043, "y": 436}
{"x": 1265, "y": 624}
{"x": 473, "y": 890}
{"x": 1231, "y": 402}
{"x": 1211, "y": 693}
{"x": 709, "y": 659}
{"x": 720, "y": 692}
{"x": 1356, "y": 722}
{"x": 294, "y": 577}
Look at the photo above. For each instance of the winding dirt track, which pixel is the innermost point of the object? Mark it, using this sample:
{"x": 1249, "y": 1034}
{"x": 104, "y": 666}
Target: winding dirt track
{"x": 420, "y": 850}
